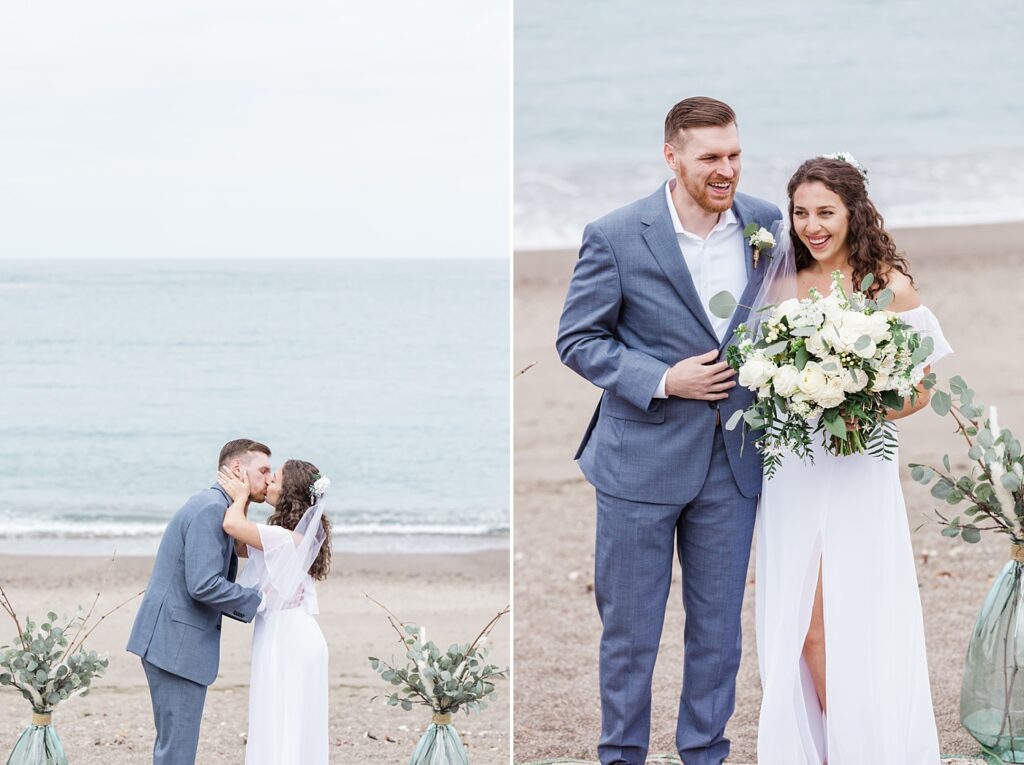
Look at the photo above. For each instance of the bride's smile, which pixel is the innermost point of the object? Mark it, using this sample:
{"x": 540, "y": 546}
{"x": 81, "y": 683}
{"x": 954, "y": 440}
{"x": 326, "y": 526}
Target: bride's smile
{"x": 822, "y": 222}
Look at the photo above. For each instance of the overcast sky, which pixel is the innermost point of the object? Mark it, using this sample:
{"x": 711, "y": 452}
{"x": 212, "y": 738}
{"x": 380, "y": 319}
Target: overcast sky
{"x": 191, "y": 128}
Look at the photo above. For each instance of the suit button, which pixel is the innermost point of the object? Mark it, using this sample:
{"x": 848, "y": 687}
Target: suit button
{"x": 713, "y": 404}
{"x": 218, "y": 628}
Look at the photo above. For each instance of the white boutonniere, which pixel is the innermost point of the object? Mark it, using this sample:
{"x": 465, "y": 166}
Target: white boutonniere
{"x": 759, "y": 238}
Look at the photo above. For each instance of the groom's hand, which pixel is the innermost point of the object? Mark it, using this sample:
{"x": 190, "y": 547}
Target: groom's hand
{"x": 701, "y": 378}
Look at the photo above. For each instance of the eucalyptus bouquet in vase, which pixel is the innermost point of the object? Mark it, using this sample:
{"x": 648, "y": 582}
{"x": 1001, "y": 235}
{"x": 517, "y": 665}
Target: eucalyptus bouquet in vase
{"x": 990, "y": 489}
{"x": 48, "y": 664}
{"x": 446, "y": 681}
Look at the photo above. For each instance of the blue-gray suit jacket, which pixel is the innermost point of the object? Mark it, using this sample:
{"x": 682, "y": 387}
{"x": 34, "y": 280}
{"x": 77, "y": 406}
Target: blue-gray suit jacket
{"x": 177, "y": 627}
{"x": 632, "y": 311}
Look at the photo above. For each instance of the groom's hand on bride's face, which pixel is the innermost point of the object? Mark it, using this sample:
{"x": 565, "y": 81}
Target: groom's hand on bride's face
{"x": 701, "y": 378}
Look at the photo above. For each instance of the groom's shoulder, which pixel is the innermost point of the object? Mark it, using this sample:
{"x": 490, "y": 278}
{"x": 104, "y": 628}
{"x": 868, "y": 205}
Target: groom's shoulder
{"x": 627, "y": 217}
{"x": 761, "y": 209}
{"x": 200, "y": 501}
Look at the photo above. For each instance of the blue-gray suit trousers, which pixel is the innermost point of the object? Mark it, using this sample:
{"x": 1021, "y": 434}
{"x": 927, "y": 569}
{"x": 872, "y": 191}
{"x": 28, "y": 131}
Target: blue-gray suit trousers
{"x": 178, "y": 712}
{"x": 712, "y": 536}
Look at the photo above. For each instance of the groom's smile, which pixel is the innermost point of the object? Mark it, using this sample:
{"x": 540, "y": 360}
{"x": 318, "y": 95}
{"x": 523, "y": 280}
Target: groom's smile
{"x": 706, "y": 161}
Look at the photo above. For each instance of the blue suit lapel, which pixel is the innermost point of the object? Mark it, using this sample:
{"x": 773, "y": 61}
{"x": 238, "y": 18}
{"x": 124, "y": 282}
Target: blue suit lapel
{"x": 661, "y": 239}
{"x": 228, "y": 544}
{"x": 754, "y": 276}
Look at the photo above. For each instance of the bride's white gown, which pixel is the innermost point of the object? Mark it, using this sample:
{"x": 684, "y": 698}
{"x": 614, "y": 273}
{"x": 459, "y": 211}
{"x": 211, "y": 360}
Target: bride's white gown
{"x": 847, "y": 512}
{"x": 288, "y": 680}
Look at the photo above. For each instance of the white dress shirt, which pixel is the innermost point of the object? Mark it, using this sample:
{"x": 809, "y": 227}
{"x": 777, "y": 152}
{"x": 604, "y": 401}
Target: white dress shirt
{"x": 715, "y": 263}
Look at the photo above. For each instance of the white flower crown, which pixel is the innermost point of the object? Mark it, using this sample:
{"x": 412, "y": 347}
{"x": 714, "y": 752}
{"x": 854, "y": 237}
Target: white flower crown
{"x": 319, "y": 487}
{"x": 845, "y": 156}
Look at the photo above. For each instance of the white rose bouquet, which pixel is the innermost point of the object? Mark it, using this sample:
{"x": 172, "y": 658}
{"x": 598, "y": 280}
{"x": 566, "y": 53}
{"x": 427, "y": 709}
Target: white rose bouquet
{"x": 830, "y": 364}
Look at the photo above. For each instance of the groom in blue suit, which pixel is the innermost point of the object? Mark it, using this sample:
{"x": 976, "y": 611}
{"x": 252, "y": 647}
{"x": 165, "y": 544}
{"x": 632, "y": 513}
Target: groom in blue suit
{"x": 669, "y": 479}
{"x": 177, "y": 628}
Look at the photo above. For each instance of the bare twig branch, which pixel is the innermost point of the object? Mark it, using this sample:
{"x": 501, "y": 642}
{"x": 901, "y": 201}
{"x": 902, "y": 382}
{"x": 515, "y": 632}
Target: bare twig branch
{"x": 393, "y": 620}
{"x": 525, "y": 369}
{"x": 6, "y": 604}
{"x": 100, "y": 621}
{"x": 80, "y": 627}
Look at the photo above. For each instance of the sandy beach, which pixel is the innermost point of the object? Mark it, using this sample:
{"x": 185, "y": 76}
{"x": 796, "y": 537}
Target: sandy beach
{"x": 969, "y": 276}
{"x": 453, "y": 595}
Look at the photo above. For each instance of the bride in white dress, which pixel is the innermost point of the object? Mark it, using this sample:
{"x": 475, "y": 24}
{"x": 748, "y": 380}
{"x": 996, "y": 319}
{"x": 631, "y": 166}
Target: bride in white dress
{"x": 288, "y": 680}
{"x": 839, "y": 630}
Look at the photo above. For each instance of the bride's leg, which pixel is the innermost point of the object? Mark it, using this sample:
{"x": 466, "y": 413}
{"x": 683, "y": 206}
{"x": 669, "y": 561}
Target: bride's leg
{"x": 814, "y": 644}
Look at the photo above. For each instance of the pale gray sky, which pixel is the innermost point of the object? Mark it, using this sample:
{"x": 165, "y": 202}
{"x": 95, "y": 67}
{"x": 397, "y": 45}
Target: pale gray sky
{"x": 255, "y": 128}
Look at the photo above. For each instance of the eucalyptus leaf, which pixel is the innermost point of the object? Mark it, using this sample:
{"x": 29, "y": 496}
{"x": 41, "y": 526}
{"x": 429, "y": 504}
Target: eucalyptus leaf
{"x": 1010, "y": 481}
{"x": 941, "y": 402}
{"x": 734, "y": 420}
{"x": 884, "y": 298}
{"x": 866, "y": 282}
{"x": 970, "y": 534}
{"x": 922, "y": 352}
{"x": 723, "y": 304}
{"x": 801, "y": 357}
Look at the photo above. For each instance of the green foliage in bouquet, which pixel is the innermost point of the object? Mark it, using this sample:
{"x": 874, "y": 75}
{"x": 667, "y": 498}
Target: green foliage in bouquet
{"x": 813, "y": 372}
{"x": 990, "y": 484}
{"x": 445, "y": 681}
{"x": 48, "y": 664}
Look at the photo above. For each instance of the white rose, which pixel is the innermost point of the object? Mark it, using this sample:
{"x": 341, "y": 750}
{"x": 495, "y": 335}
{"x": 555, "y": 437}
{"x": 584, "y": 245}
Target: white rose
{"x": 812, "y": 380}
{"x": 854, "y": 380}
{"x": 832, "y": 394}
{"x": 880, "y": 329}
{"x": 831, "y": 308}
{"x": 853, "y": 326}
{"x": 815, "y": 344}
{"x": 788, "y": 309}
{"x": 785, "y": 380}
{"x": 756, "y": 371}
{"x": 881, "y": 381}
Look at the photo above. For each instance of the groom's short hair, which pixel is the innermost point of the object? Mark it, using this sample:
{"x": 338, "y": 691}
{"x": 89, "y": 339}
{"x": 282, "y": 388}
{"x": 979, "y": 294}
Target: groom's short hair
{"x": 699, "y": 111}
{"x": 238, "y": 447}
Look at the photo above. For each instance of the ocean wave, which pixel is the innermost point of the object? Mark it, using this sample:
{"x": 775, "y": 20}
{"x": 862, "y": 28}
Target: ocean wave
{"x": 553, "y": 203}
{"x": 56, "y": 529}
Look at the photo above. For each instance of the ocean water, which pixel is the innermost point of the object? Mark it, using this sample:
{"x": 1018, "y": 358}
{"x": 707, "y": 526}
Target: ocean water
{"x": 120, "y": 381}
{"x": 926, "y": 95}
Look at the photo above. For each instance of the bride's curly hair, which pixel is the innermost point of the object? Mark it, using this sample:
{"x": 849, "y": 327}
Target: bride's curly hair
{"x": 872, "y": 250}
{"x": 297, "y": 477}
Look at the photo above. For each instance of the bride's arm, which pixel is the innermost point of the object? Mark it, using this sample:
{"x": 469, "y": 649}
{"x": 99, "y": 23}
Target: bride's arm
{"x": 236, "y": 524}
{"x": 905, "y": 298}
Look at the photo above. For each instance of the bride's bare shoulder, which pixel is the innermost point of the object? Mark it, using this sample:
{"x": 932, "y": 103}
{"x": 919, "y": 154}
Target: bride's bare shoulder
{"x": 904, "y": 295}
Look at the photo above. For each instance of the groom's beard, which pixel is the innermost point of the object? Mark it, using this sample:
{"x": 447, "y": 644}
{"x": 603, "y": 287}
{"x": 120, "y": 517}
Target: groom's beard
{"x": 698, "y": 190}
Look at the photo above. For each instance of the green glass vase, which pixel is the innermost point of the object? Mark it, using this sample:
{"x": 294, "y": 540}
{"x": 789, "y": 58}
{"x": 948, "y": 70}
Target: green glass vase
{"x": 39, "y": 744}
{"x": 992, "y": 693}
{"x": 440, "y": 744}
